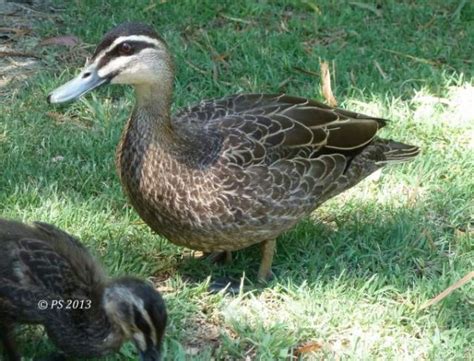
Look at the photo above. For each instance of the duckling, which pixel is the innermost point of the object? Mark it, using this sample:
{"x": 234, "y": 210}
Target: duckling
{"x": 47, "y": 277}
{"x": 227, "y": 173}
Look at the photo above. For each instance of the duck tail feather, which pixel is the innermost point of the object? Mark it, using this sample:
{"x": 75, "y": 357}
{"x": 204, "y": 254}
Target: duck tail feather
{"x": 397, "y": 152}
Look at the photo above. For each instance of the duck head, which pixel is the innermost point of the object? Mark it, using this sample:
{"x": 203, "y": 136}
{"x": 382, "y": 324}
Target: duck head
{"x": 131, "y": 53}
{"x": 138, "y": 311}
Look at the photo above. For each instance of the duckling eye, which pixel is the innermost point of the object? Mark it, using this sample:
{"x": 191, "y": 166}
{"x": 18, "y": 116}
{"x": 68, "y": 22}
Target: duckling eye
{"x": 125, "y": 49}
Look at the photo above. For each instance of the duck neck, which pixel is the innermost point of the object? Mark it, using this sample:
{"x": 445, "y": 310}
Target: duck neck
{"x": 156, "y": 99}
{"x": 95, "y": 329}
{"x": 151, "y": 133}
{"x": 150, "y": 124}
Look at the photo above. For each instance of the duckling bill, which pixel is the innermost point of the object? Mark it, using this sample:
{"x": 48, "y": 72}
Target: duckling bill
{"x": 41, "y": 266}
{"x": 227, "y": 173}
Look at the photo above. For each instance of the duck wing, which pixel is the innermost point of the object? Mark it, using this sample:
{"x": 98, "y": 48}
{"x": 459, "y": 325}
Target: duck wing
{"x": 262, "y": 128}
{"x": 53, "y": 265}
{"x": 275, "y": 158}
{"x": 87, "y": 269}
{"x": 279, "y": 156}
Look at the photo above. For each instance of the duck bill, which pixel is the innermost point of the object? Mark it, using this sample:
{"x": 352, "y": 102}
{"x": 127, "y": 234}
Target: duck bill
{"x": 86, "y": 81}
{"x": 151, "y": 354}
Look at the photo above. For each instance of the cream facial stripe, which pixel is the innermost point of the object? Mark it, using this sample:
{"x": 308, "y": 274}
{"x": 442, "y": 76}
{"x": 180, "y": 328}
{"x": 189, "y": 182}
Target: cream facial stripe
{"x": 130, "y": 38}
{"x": 114, "y": 65}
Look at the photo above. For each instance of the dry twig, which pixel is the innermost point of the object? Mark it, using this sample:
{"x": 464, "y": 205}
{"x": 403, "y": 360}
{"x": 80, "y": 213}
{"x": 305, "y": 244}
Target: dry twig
{"x": 305, "y": 71}
{"x": 5, "y": 53}
{"x": 449, "y": 290}
{"x": 326, "y": 84}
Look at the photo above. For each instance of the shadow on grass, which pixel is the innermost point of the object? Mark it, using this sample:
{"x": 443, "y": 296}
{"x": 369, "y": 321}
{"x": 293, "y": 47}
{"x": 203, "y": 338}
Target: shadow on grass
{"x": 395, "y": 244}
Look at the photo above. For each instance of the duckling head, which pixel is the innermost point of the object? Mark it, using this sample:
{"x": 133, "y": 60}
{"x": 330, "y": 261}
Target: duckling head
{"x": 131, "y": 53}
{"x": 138, "y": 310}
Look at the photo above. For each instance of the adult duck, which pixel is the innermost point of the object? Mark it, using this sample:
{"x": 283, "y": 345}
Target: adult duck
{"x": 227, "y": 173}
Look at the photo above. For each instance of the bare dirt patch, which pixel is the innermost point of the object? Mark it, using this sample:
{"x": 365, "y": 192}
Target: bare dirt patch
{"x": 23, "y": 52}
{"x": 18, "y": 41}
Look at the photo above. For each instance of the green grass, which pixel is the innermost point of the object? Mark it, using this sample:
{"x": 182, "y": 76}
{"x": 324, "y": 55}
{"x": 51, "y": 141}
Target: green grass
{"x": 350, "y": 279}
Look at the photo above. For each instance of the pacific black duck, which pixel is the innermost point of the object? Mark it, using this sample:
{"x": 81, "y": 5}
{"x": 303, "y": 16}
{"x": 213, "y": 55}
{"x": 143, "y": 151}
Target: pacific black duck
{"x": 40, "y": 264}
{"x": 225, "y": 174}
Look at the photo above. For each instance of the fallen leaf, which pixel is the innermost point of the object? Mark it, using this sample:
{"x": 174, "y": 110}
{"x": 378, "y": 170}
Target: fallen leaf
{"x": 64, "y": 40}
{"x": 308, "y": 347}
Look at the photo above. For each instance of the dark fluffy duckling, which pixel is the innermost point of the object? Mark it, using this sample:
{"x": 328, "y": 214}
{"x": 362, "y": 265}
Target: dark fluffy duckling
{"x": 42, "y": 266}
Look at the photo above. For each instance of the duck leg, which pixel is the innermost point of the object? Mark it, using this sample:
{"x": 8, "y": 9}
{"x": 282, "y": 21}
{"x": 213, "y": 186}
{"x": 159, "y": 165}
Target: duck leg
{"x": 9, "y": 344}
{"x": 265, "y": 270}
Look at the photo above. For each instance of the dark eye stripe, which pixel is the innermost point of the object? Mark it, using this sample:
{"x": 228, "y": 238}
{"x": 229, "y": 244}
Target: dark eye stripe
{"x": 137, "y": 46}
{"x": 141, "y": 323}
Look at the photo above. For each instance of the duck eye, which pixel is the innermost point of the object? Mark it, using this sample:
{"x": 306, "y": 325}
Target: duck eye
{"x": 125, "y": 49}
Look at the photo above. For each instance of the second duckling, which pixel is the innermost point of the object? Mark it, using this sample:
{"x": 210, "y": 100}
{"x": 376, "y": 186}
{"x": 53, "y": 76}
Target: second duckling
{"x": 48, "y": 277}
